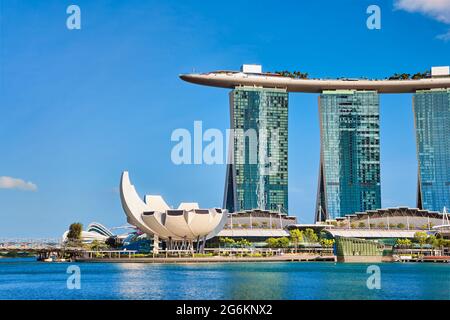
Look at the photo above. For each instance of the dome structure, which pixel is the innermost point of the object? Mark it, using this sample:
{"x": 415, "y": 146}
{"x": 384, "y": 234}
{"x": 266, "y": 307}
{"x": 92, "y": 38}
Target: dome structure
{"x": 100, "y": 229}
{"x": 154, "y": 217}
{"x": 91, "y": 234}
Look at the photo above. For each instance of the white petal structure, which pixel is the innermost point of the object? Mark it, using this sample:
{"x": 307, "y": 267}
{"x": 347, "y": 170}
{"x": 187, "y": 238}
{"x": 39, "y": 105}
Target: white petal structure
{"x": 154, "y": 217}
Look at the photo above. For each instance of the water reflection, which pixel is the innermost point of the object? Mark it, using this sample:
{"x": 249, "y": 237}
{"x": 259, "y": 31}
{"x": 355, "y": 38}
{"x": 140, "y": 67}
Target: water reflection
{"x": 34, "y": 280}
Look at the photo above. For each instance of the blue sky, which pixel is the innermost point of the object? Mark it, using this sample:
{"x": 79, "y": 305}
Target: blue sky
{"x": 77, "y": 107}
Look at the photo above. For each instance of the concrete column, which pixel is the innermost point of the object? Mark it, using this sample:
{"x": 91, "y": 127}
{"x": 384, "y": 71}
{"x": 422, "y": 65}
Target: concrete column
{"x": 155, "y": 244}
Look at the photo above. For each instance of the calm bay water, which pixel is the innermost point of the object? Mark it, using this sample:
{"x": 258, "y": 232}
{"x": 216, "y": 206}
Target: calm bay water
{"x": 28, "y": 279}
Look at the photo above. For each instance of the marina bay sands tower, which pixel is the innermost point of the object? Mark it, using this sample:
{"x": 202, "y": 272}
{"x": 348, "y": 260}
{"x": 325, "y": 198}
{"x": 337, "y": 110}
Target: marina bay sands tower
{"x": 349, "y": 172}
{"x": 432, "y": 122}
{"x": 257, "y": 170}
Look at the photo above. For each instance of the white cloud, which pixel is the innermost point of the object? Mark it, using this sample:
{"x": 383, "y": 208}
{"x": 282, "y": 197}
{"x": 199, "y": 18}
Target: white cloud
{"x": 445, "y": 36}
{"x": 14, "y": 183}
{"x": 436, "y": 9}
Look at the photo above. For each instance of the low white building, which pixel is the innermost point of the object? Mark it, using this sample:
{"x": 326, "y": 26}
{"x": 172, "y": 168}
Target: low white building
{"x": 178, "y": 228}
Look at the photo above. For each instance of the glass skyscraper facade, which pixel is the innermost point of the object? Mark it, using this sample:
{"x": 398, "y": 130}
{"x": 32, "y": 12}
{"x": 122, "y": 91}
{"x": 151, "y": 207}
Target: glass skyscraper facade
{"x": 349, "y": 174}
{"x": 432, "y": 122}
{"x": 257, "y": 170}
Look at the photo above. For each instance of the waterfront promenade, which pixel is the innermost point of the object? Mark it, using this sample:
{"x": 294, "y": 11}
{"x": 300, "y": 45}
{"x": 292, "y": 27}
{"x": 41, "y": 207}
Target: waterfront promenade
{"x": 212, "y": 259}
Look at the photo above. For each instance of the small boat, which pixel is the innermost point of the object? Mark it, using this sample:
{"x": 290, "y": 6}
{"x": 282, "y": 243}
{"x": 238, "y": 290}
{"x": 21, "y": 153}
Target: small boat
{"x": 402, "y": 258}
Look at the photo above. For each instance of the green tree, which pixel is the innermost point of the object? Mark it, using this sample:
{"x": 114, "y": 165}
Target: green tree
{"x": 420, "y": 237}
{"x": 114, "y": 242}
{"x": 401, "y": 226}
{"x": 277, "y": 242}
{"x": 272, "y": 242}
{"x": 421, "y": 75}
{"x": 432, "y": 240}
{"x": 97, "y": 245}
{"x": 381, "y": 225}
{"x": 310, "y": 236}
{"x": 406, "y": 243}
{"x": 243, "y": 243}
{"x": 296, "y": 237}
{"x": 405, "y": 76}
{"x": 283, "y": 242}
{"x": 227, "y": 242}
{"x": 293, "y": 74}
{"x": 361, "y": 225}
{"x": 74, "y": 234}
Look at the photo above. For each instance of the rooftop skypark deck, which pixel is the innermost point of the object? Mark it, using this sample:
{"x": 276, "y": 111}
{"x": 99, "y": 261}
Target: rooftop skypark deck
{"x": 233, "y": 79}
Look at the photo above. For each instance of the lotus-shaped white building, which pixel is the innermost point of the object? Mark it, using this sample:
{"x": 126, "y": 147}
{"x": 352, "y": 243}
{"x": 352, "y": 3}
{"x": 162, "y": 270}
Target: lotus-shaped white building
{"x": 179, "y": 228}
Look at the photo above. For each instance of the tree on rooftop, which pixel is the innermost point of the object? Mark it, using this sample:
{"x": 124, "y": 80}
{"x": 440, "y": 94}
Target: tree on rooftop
{"x": 404, "y": 76}
{"x": 293, "y": 74}
{"x": 421, "y": 75}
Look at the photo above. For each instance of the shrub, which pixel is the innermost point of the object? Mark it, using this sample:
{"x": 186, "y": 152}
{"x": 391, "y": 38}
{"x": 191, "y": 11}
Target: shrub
{"x": 327, "y": 243}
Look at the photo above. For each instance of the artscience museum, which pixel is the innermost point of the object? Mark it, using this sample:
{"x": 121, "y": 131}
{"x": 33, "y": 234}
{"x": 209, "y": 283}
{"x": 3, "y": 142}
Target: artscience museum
{"x": 173, "y": 229}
